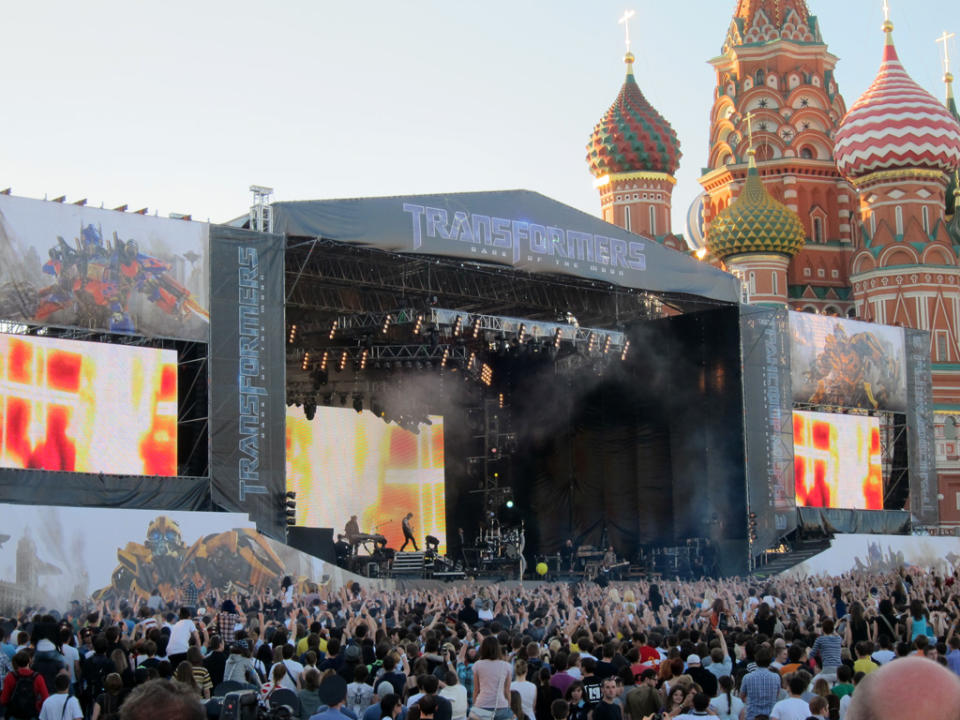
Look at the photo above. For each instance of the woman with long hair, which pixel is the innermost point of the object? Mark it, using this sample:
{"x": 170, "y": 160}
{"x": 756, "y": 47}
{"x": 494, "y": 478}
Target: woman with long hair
{"x": 857, "y": 628}
{"x": 727, "y": 703}
{"x": 200, "y": 674}
{"x": 918, "y": 620}
{"x": 184, "y": 675}
{"x": 491, "y": 683}
{"x": 579, "y": 710}
{"x": 546, "y": 694}
{"x": 276, "y": 675}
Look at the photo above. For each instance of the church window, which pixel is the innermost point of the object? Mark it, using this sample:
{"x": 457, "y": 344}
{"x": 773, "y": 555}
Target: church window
{"x": 925, "y": 212}
{"x": 818, "y": 230}
{"x": 653, "y": 220}
{"x": 806, "y": 272}
{"x": 873, "y": 224}
{"x": 898, "y": 215}
{"x": 815, "y": 81}
{"x": 626, "y": 218}
{"x": 759, "y": 77}
{"x": 835, "y": 274}
{"x": 821, "y": 273}
{"x": 941, "y": 339}
{"x": 806, "y": 153}
{"x": 752, "y": 283}
{"x": 774, "y": 284}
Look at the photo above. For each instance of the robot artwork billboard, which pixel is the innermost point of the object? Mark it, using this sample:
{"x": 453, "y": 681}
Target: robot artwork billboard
{"x": 847, "y": 363}
{"x": 106, "y": 270}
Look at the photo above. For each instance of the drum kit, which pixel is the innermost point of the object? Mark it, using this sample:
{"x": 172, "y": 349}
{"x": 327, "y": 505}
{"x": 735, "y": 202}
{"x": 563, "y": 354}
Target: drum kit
{"x": 500, "y": 543}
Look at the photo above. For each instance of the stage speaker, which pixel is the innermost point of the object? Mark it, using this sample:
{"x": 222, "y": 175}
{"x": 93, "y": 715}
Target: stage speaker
{"x": 313, "y": 541}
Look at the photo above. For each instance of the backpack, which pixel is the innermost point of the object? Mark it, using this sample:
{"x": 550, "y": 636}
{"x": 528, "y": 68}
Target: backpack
{"x": 23, "y": 699}
{"x": 111, "y": 707}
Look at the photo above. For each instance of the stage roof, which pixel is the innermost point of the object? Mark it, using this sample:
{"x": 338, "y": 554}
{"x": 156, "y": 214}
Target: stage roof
{"x": 516, "y": 228}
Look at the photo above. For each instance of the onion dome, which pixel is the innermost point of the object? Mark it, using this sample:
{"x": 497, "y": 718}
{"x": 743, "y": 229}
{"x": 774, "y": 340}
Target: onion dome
{"x": 755, "y": 223}
{"x": 896, "y": 124}
{"x": 632, "y": 136}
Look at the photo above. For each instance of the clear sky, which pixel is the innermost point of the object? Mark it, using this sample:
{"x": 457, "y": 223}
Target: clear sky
{"x": 180, "y": 106}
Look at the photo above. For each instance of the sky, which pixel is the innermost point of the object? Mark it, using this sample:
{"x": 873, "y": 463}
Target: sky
{"x": 181, "y": 106}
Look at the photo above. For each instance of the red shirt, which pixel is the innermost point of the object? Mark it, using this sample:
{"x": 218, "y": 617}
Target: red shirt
{"x": 10, "y": 682}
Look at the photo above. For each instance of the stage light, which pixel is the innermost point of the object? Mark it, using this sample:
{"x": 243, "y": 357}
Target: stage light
{"x": 446, "y": 356}
{"x": 521, "y": 333}
{"x": 457, "y": 326}
{"x": 343, "y": 361}
{"x": 486, "y": 375}
{"x": 333, "y": 330}
{"x": 363, "y": 359}
{"x": 290, "y": 507}
{"x": 305, "y": 365}
{"x": 471, "y": 361}
{"x": 626, "y": 349}
{"x": 509, "y": 504}
{"x": 606, "y": 344}
{"x": 358, "y": 403}
{"x": 591, "y": 342}
{"x": 386, "y": 324}
{"x": 417, "y": 325}
{"x": 502, "y": 401}
{"x": 557, "y": 337}
{"x": 476, "y": 326}
{"x": 293, "y": 333}
{"x": 323, "y": 360}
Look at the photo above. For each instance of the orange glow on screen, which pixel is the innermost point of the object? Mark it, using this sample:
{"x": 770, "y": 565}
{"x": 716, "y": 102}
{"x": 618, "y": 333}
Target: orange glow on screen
{"x": 87, "y": 407}
{"x": 346, "y": 463}
{"x": 837, "y": 461}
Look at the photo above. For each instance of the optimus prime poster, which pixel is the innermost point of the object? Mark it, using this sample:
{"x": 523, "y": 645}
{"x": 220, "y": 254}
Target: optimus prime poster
{"x": 67, "y": 265}
{"x": 51, "y": 556}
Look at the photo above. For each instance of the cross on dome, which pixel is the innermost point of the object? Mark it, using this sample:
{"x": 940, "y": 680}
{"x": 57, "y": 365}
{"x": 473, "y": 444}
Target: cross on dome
{"x": 625, "y": 21}
{"x": 945, "y": 39}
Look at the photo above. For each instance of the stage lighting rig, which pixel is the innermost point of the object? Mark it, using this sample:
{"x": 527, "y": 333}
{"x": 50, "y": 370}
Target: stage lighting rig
{"x": 293, "y": 333}
{"x": 290, "y": 508}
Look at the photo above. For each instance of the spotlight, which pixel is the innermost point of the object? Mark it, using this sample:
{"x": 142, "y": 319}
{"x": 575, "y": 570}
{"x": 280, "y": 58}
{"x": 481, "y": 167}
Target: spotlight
{"x": 343, "y": 361}
{"x": 521, "y": 333}
{"x": 557, "y": 337}
{"x": 293, "y": 333}
{"x": 457, "y": 326}
{"x": 417, "y": 325}
{"x": 358, "y": 403}
{"x": 305, "y": 365}
{"x": 363, "y": 359}
{"x": 476, "y": 326}
{"x": 446, "y": 356}
{"x": 626, "y": 349}
{"x": 471, "y": 361}
{"x": 591, "y": 342}
{"x": 509, "y": 504}
{"x": 486, "y": 375}
{"x": 323, "y": 360}
{"x": 333, "y": 330}
{"x": 503, "y": 401}
{"x": 386, "y": 324}
{"x": 606, "y": 344}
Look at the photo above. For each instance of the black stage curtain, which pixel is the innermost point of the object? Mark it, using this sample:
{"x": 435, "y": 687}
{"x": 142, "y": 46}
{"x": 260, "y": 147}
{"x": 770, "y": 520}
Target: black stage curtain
{"x": 37, "y": 487}
{"x": 834, "y": 520}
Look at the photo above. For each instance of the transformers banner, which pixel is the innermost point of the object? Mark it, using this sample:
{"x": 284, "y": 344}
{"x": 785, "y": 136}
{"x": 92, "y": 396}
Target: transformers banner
{"x": 51, "y": 556}
{"x": 248, "y": 375}
{"x": 67, "y": 265}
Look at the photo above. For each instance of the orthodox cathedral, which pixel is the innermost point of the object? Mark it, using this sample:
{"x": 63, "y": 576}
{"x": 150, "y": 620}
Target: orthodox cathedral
{"x": 814, "y": 206}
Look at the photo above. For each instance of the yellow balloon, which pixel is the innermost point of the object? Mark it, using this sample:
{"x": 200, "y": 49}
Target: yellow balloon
{"x": 542, "y": 568}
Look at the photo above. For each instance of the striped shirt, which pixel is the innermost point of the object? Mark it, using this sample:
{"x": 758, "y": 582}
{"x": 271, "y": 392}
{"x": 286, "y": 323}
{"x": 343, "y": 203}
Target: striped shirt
{"x": 827, "y": 648}
{"x": 202, "y": 678}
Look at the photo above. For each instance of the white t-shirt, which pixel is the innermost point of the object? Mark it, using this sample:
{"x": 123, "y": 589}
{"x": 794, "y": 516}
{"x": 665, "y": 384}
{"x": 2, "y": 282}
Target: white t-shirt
{"x": 359, "y": 697}
{"x": 53, "y": 708}
{"x": 457, "y": 695}
{"x": 790, "y": 709}
{"x": 528, "y": 695}
{"x": 180, "y": 637}
{"x": 719, "y": 703}
{"x": 72, "y": 656}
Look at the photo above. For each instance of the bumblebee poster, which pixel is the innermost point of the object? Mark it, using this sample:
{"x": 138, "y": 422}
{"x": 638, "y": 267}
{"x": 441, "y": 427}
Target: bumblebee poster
{"x": 847, "y": 363}
{"x": 73, "y": 266}
{"x": 51, "y": 556}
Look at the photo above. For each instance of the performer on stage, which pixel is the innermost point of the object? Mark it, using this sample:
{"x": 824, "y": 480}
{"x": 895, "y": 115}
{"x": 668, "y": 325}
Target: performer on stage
{"x": 352, "y": 528}
{"x": 408, "y": 532}
{"x": 568, "y": 555}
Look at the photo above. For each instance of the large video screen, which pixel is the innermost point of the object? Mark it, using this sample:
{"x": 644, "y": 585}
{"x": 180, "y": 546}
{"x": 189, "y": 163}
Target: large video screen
{"x": 847, "y": 363}
{"x": 87, "y": 407}
{"x": 345, "y": 463}
{"x": 837, "y": 461}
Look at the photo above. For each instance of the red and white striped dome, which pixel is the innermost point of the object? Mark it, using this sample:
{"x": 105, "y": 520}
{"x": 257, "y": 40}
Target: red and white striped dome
{"x": 896, "y": 124}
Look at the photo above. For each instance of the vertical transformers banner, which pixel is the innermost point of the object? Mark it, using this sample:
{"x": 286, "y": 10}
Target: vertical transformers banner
{"x": 768, "y": 419}
{"x": 247, "y": 375}
{"x": 921, "y": 443}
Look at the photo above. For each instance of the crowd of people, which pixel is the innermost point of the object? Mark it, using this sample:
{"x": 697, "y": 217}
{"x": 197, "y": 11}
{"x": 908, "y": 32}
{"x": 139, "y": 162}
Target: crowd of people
{"x": 865, "y": 645}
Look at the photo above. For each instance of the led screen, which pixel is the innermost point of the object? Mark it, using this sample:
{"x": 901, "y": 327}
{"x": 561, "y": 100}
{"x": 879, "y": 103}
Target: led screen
{"x": 87, "y": 407}
{"x": 345, "y": 463}
{"x": 837, "y": 461}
